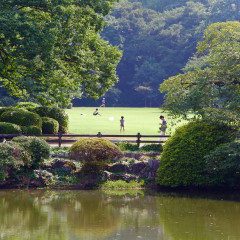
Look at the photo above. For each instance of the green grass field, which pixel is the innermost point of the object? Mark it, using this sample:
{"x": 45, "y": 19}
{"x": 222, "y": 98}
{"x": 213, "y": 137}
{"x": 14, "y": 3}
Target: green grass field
{"x": 143, "y": 120}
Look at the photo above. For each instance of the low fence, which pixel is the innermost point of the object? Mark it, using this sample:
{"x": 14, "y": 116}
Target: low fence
{"x": 61, "y": 139}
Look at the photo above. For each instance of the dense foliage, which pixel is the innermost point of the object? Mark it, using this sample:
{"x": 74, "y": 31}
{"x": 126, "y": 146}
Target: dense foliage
{"x": 51, "y": 51}
{"x": 9, "y": 128}
{"x": 32, "y": 130}
{"x": 49, "y": 125}
{"x": 55, "y": 113}
{"x": 37, "y": 148}
{"x": 27, "y": 105}
{"x": 21, "y": 117}
{"x": 223, "y": 166}
{"x": 210, "y": 86}
{"x": 182, "y": 160}
{"x": 158, "y": 37}
{"x": 94, "y": 150}
{"x": 12, "y": 157}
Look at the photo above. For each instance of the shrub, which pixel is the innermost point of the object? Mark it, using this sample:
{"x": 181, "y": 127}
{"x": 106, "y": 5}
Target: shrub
{"x": 93, "y": 167}
{"x": 125, "y": 146}
{"x": 27, "y": 105}
{"x": 94, "y": 150}
{"x": 223, "y": 165}
{"x": 9, "y": 128}
{"x": 55, "y": 113}
{"x": 49, "y": 125}
{"x": 38, "y": 148}
{"x": 5, "y": 109}
{"x": 12, "y": 157}
{"x": 32, "y": 130}
{"x": 182, "y": 160}
{"x": 152, "y": 148}
{"x": 22, "y": 117}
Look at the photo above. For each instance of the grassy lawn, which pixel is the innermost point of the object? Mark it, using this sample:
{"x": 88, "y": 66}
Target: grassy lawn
{"x": 143, "y": 120}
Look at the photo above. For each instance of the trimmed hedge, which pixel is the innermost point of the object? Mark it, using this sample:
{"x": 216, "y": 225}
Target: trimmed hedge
{"x": 152, "y": 148}
{"x": 126, "y": 146}
{"x": 27, "y": 105}
{"x": 94, "y": 150}
{"x": 32, "y": 130}
{"x": 5, "y": 109}
{"x": 49, "y": 125}
{"x": 55, "y": 113}
{"x": 22, "y": 117}
{"x": 182, "y": 160}
{"x": 12, "y": 157}
{"x": 38, "y": 148}
{"x": 223, "y": 166}
{"x": 9, "y": 128}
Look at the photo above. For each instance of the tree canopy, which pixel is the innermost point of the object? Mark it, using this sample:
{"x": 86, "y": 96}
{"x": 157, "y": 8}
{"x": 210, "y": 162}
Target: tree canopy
{"x": 210, "y": 85}
{"x": 51, "y": 51}
{"x": 158, "y": 38}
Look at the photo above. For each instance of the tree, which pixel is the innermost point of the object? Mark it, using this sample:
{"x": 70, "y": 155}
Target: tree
{"x": 210, "y": 85}
{"x": 145, "y": 91}
{"x": 51, "y": 51}
{"x": 158, "y": 37}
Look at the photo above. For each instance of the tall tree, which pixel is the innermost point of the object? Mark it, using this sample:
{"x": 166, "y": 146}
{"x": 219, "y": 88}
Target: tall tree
{"x": 52, "y": 51}
{"x": 210, "y": 85}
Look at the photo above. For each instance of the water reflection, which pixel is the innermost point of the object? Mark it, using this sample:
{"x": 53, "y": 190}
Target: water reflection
{"x": 93, "y": 215}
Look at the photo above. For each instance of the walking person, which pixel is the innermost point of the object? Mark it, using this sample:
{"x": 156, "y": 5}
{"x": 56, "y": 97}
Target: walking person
{"x": 163, "y": 126}
{"x": 122, "y": 124}
{"x": 103, "y": 103}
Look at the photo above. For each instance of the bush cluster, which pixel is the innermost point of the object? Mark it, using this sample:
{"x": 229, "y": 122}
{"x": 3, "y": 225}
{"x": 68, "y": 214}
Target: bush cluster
{"x": 182, "y": 160}
{"x": 34, "y": 119}
{"x": 49, "y": 125}
{"x": 9, "y": 128}
{"x": 37, "y": 148}
{"x": 55, "y": 113}
{"x": 21, "y": 117}
{"x": 126, "y": 146}
{"x": 27, "y": 105}
{"x": 12, "y": 157}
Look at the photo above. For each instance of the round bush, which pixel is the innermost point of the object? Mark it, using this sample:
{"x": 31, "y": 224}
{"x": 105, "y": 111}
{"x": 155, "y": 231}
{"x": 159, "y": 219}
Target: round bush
{"x": 182, "y": 160}
{"x": 49, "y": 125}
{"x": 27, "y": 105}
{"x": 12, "y": 157}
{"x": 32, "y": 130}
{"x": 94, "y": 150}
{"x": 55, "y": 113}
{"x": 223, "y": 166}
{"x": 5, "y": 109}
{"x": 9, "y": 128}
{"x": 22, "y": 117}
{"x": 38, "y": 148}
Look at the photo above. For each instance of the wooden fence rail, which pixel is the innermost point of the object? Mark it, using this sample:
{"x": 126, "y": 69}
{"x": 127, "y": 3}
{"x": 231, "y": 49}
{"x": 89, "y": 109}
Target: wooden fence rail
{"x": 61, "y": 139}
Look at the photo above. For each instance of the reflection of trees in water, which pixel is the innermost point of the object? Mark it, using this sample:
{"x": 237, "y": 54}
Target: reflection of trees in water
{"x": 199, "y": 219}
{"x": 89, "y": 215}
{"x": 55, "y": 215}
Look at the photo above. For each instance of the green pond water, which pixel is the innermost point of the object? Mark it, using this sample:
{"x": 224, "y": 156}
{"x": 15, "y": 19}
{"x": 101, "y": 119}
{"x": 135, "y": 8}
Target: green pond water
{"x": 95, "y": 215}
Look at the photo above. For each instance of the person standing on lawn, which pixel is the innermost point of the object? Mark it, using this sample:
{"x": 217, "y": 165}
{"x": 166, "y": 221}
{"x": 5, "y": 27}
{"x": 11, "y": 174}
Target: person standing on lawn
{"x": 122, "y": 124}
{"x": 163, "y": 126}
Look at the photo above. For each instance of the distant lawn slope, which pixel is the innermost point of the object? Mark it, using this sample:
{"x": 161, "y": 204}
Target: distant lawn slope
{"x": 143, "y": 120}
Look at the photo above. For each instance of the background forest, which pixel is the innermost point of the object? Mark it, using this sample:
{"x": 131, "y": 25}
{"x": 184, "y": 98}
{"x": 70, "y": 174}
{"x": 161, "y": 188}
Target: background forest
{"x": 157, "y": 38}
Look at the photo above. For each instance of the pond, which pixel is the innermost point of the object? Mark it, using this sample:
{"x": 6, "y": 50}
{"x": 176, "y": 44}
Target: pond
{"x": 96, "y": 215}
